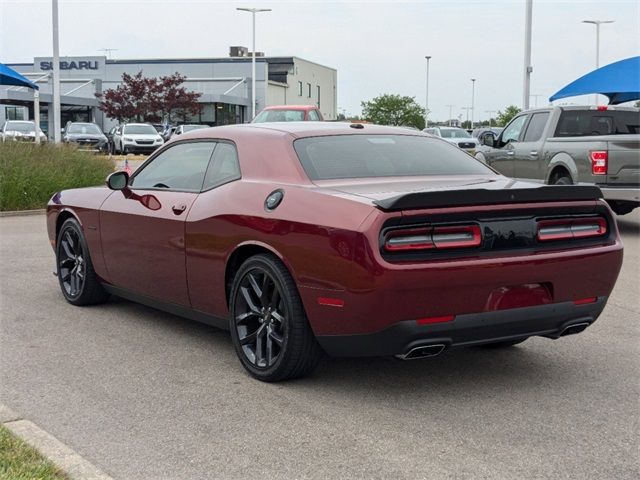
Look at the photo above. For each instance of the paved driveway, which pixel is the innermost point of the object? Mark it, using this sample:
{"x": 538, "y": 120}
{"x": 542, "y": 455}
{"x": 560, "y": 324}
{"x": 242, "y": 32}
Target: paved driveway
{"x": 147, "y": 395}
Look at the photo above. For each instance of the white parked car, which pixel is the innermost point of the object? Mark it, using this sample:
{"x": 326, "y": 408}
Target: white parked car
{"x": 136, "y": 138}
{"x": 458, "y": 136}
{"x": 21, "y": 130}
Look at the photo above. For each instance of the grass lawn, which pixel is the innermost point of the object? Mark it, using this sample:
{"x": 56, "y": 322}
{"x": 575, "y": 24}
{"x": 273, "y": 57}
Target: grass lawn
{"x": 30, "y": 174}
{"x": 19, "y": 461}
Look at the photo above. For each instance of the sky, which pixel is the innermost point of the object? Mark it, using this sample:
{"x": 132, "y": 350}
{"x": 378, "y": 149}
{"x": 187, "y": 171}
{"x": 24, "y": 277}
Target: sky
{"x": 377, "y": 47}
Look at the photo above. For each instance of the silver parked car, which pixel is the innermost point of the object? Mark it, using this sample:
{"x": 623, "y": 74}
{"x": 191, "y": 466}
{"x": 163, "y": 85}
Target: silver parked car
{"x": 457, "y": 136}
{"x": 23, "y": 130}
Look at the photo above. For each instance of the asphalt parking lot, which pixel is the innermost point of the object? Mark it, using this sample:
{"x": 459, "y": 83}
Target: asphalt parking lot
{"x": 146, "y": 395}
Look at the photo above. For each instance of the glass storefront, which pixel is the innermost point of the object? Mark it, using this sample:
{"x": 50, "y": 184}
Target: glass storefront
{"x": 214, "y": 114}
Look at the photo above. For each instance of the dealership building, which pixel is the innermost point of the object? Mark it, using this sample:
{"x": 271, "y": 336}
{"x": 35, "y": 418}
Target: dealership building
{"x": 224, "y": 84}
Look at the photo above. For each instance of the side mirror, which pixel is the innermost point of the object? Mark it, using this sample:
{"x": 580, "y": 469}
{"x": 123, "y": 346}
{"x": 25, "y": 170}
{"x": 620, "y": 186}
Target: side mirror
{"x": 489, "y": 139}
{"x": 118, "y": 180}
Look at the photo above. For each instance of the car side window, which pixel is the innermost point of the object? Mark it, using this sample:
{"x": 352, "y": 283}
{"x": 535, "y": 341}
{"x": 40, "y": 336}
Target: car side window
{"x": 180, "y": 167}
{"x": 536, "y": 127}
{"x": 513, "y": 130}
{"x": 224, "y": 166}
{"x": 313, "y": 116}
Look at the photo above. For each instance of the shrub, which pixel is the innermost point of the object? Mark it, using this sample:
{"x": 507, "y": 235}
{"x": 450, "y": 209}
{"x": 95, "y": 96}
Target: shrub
{"x": 30, "y": 174}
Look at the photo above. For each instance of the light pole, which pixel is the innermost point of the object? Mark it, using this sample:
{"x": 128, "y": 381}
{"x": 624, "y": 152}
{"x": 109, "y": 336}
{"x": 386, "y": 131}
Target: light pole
{"x": 597, "y": 23}
{"x": 426, "y": 102}
{"x": 56, "y": 73}
{"x": 450, "y": 112}
{"x": 467, "y": 110}
{"x": 473, "y": 99}
{"x": 527, "y": 55}
{"x": 490, "y": 112}
{"x": 253, "y": 55}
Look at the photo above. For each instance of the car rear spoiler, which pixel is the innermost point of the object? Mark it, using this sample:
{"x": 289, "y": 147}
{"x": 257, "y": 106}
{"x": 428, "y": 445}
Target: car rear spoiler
{"x": 481, "y": 196}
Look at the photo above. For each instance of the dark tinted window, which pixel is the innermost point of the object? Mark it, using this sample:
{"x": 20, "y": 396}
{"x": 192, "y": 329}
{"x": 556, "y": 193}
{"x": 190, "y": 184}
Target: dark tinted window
{"x": 536, "y": 127}
{"x": 361, "y": 156}
{"x": 581, "y": 123}
{"x": 224, "y": 166}
{"x": 181, "y": 167}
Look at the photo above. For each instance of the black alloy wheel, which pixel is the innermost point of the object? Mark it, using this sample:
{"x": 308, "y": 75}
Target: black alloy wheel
{"x": 71, "y": 263}
{"x": 78, "y": 281}
{"x": 269, "y": 328}
{"x": 260, "y": 318}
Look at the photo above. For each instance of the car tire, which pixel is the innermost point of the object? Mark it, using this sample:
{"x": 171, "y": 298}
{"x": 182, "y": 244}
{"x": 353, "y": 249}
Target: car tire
{"x": 506, "y": 344}
{"x": 562, "y": 179}
{"x": 78, "y": 281}
{"x": 621, "y": 208}
{"x": 269, "y": 328}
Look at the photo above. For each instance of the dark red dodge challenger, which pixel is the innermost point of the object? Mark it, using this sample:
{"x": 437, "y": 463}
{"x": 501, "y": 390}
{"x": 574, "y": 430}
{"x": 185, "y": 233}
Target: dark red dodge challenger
{"x": 350, "y": 239}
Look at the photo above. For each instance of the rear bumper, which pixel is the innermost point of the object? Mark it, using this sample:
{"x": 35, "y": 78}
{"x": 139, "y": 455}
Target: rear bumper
{"x": 466, "y": 330}
{"x": 623, "y": 194}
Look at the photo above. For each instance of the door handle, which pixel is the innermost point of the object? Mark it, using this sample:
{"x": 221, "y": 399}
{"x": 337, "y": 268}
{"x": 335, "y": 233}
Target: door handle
{"x": 178, "y": 209}
{"x": 534, "y": 153}
{"x": 511, "y": 153}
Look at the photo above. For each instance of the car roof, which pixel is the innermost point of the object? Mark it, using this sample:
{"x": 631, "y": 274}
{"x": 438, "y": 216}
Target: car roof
{"x": 300, "y": 130}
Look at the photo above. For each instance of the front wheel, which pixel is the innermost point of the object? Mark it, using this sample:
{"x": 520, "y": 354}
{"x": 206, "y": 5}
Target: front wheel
{"x": 78, "y": 281}
{"x": 269, "y": 328}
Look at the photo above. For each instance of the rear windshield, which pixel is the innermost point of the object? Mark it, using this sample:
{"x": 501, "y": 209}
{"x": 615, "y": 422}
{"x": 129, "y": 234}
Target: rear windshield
{"x": 362, "y": 156}
{"x": 279, "y": 116}
{"x": 583, "y": 123}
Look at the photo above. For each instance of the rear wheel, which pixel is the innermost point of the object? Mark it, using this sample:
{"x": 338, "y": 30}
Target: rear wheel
{"x": 78, "y": 281}
{"x": 562, "y": 178}
{"x": 269, "y": 328}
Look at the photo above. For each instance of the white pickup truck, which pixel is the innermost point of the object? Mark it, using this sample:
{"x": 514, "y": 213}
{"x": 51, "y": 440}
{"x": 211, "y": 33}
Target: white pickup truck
{"x": 570, "y": 145}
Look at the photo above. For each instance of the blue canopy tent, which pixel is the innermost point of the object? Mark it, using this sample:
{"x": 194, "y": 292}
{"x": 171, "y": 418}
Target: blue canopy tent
{"x": 8, "y": 76}
{"x": 620, "y": 81}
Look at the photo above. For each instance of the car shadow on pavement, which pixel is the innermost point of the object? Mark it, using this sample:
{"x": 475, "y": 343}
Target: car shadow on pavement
{"x": 627, "y": 226}
{"x": 454, "y": 372}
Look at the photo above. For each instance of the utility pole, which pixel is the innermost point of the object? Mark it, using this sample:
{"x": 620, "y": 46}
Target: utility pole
{"x": 526, "y": 90}
{"x": 467, "y": 110}
{"x": 56, "y": 74}
{"x": 450, "y": 112}
{"x": 426, "y": 103}
{"x": 253, "y": 55}
{"x": 473, "y": 99}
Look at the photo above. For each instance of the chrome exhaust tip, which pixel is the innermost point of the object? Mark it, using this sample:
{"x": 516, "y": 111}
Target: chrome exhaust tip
{"x": 575, "y": 328}
{"x": 423, "y": 351}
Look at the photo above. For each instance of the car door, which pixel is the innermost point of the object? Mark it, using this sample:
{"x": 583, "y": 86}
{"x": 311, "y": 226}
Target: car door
{"x": 502, "y": 155}
{"x": 143, "y": 226}
{"x": 528, "y": 152}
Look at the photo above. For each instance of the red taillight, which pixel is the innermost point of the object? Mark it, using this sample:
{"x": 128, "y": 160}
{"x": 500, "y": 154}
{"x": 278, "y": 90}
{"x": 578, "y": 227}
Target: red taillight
{"x": 568, "y": 228}
{"x": 599, "y": 162}
{"x": 459, "y": 236}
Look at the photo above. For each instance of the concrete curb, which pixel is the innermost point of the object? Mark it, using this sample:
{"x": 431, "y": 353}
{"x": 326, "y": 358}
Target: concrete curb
{"x": 20, "y": 213}
{"x": 64, "y": 457}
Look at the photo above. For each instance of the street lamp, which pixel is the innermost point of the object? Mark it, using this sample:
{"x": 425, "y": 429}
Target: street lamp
{"x": 467, "y": 110}
{"x": 490, "y": 112}
{"x": 473, "y": 99}
{"x": 56, "y": 74}
{"x": 253, "y": 55}
{"x": 450, "y": 112}
{"x": 526, "y": 89}
{"x": 426, "y": 103}
{"x": 597, "y": 23}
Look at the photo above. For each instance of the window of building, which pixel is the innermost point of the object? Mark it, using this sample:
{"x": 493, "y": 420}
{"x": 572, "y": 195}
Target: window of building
{"x": 14, "y": 113}
{"x": 181, "y": 167}
{"x": 308, "y": 90}
{"x": 318, "y": 94}
{"x": 299, "y": 89}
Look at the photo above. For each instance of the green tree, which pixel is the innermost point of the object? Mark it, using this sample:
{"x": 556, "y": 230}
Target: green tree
{"x": 509, "y": 112}
{"x": 394, "y": 110}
